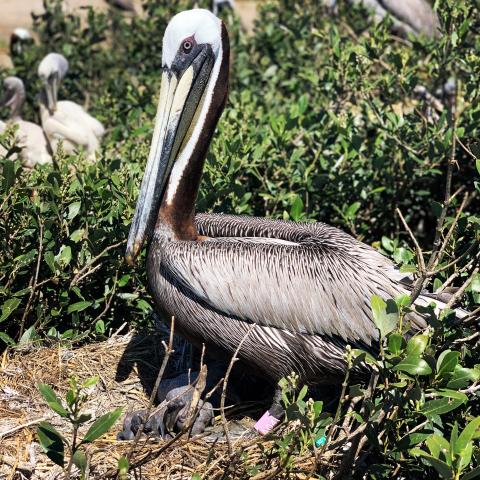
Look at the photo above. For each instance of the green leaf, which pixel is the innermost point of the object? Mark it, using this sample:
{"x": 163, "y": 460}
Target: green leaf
{"x": 395, "y": 343}
{"x": 477, "y": 163}
{"x": 441, "y": 467}
{"x": 84, "y": 417}
{"x": 90, "y": 382}
{"x": 8, "y": 175}
{"x": 102, "y": 425}
{"x": 352, "y": 210}
{"x": 296, "y": 208}
{"x": 29, "y": 335}
{"x": 466, "y": 456}
{"x": 302, "y": 393}
{"x": 78, "y": 306}
{"x": 437, "y": 445}
{"x": 413, "y": 365}
{"x": 9, "y": 307}
{"x": 417, "y": 345}
{"x": 7, "y": 339}
{"x": 77, "y": 235}
{"x": 80, "y": 461}
{"x": 385, "y": 315}
{"x": 470, "y": 432}
{"x": 51, "y": 442}
{"x": 450, "y": 401}
{"x": 446, "y": 362}
{"x": 462, "y": 377}
{"x": 123, "y": 467}
{"x": 52, "y": 400}
{"x": 73, "y": 210}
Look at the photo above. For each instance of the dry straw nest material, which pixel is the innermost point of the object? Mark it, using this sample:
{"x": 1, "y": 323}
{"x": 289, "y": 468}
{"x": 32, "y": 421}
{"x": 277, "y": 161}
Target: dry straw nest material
{"x": 127, "y": 367}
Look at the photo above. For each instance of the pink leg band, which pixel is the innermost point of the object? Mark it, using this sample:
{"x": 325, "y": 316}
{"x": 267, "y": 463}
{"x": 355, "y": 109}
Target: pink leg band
{"x": 266, "y": 423}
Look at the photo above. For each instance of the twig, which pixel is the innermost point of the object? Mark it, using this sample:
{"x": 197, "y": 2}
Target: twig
{"x": 108, "y": 302}
{"x": 461, "y": 341}
{"x": 454, "y": 275}
{"x": 168, "y": 351}
{"x": 119, "y": 329}
{"x": 420, "y": 283}
{"x": 21, "y": 427}
{"x": 448, "y": 187}
{"x": 34, "y": 282}
{"x": 454, "y": 262}
{"x": 471, "y": 389}
{"x": 462, "y": 289}
{"x": 225, "y": 384}
{"x": 84, "y": 271}
{"x": 441, "y": 251}
{"x": 472, "y": 318}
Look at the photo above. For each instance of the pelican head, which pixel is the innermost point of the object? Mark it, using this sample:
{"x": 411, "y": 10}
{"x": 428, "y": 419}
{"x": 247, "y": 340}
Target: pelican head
{"x": 52, "y": 70}
{"x": 192, "y": 95}
{"x": 19, "y": 38}
{"x": 13, "y": 94}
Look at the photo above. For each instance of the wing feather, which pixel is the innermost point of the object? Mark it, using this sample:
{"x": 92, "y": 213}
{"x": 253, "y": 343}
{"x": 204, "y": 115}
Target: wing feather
{"x": 318, "y": 280}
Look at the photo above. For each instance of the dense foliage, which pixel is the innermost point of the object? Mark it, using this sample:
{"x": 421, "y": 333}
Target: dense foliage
{"x": 322, "y": 123}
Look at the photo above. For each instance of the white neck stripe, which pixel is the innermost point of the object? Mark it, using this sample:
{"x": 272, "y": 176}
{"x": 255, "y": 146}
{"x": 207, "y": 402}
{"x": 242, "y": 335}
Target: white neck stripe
{"x": 185, "y": 155}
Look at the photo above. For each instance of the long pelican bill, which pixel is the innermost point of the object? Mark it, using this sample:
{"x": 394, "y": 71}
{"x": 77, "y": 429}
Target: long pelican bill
{"x": 181, "y": 92}
{"x": 51, "y": 91}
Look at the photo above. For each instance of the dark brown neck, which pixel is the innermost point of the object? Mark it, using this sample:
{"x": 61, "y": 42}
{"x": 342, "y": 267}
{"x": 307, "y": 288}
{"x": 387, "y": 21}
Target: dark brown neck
{"x": 178, "y": 213}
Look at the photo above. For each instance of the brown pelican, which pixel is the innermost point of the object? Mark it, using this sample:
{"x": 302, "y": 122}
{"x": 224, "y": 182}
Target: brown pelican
{"x": 30, "y": 137}
{"x": 64, "y": 120}
{"x": 306, "y": 287}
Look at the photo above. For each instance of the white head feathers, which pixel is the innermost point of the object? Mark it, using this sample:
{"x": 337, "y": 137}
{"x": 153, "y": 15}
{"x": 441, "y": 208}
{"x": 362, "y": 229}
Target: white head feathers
{"x": 53, "y": 63}
{"x": 202, "y": 24}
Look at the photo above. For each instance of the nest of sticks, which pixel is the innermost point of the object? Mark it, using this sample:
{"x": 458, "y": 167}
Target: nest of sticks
{"x": 127, "y": 366}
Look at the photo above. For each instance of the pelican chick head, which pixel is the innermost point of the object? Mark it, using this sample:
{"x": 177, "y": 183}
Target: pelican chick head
{"x": 19, "y": 38}
{"x": 52, "y": 71}
{"x": 13, "y": 94}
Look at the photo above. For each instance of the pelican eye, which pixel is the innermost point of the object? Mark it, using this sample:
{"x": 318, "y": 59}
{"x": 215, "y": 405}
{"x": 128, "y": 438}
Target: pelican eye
{"x": 187, "y": 46}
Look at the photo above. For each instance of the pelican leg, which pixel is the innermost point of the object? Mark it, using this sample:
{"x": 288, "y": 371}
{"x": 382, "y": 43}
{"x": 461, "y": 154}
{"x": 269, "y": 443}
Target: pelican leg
{"x": 271, "y": 418}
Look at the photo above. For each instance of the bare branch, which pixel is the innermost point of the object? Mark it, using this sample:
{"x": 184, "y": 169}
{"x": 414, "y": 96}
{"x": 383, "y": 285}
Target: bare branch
{"x": 168, "y": 351}
{"x": 87, "y": 270}
{"x": 225, "y": 384}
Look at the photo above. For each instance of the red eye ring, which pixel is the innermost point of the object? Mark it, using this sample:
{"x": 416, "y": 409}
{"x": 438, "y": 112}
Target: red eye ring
{"x": 187, "y": 46}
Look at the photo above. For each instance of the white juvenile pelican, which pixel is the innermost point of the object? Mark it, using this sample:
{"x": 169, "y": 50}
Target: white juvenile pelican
{"x": 65, "y": 120}
{"x": 307, "y": 288}
{"x": 30, "y": 137}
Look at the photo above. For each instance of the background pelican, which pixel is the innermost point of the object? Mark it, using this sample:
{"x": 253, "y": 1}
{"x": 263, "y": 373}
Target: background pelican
{"x": 408, "y": 16}
{"x": 307, "y": 288}
{"x": 125, "y": 5}
{"x": 218, "y": 5}
{"x": 19, "y": 38}
{"x": 30, "y": 137}
{"x": 65, "y": 120}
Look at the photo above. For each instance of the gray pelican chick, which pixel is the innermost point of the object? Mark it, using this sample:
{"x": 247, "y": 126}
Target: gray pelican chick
{"x": 306, "y": 288}
{"x": 65, "y": 120}
{"x": 30, "y": 137}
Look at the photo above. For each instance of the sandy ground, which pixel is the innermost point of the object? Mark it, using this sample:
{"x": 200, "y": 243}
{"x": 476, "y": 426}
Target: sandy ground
{"x": 17, "y": 13}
